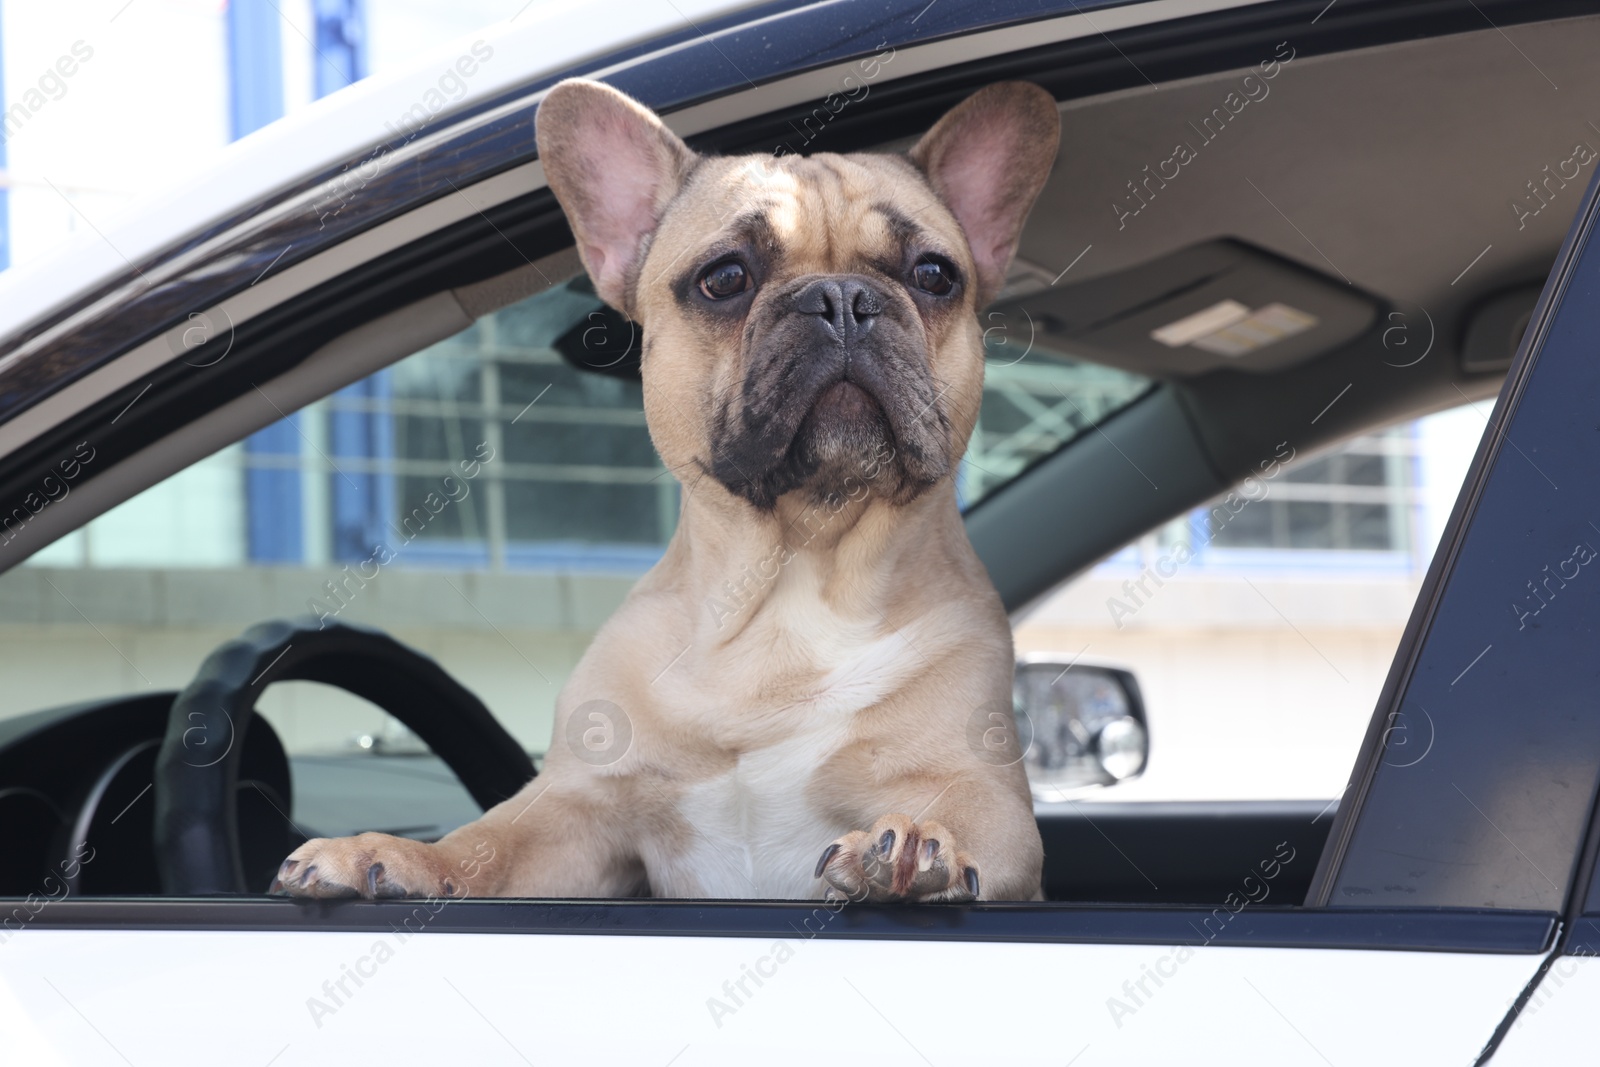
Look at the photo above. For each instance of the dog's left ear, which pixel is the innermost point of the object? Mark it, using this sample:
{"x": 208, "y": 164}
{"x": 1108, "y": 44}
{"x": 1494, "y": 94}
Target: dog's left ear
{"x": 988, "y": 158}
{"x": 614, "y": 168}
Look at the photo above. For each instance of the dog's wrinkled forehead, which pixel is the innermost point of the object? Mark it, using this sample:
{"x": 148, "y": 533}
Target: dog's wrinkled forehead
{"x": 816, "y": 214}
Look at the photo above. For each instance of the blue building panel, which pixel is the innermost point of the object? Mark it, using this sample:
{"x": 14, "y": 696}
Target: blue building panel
{"x": 255, "y": 66}
{"x": 276, "y": 510}
{"x": 363, "y": 496}
{"x": 341, "y": 45}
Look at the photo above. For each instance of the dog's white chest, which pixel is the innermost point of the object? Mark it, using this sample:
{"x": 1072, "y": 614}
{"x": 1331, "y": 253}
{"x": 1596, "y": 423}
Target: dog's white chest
{"x": 755, "y": 830}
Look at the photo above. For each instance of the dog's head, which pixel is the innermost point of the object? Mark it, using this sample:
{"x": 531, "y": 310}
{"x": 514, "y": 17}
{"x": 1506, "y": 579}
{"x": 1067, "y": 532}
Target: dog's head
{"x": 809, "y": 322}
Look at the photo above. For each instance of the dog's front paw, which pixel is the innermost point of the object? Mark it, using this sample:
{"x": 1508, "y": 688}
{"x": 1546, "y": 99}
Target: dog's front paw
{"x": 368, "y": 865}
{"x": 900, "y": 860}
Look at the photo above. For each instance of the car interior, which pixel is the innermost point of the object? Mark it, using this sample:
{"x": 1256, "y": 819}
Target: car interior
{"x": 1239, "y": 309}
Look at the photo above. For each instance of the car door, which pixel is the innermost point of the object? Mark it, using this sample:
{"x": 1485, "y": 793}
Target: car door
{"x": 1444, "y": 882}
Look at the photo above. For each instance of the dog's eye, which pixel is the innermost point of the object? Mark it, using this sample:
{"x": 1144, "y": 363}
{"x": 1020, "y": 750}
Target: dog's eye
{"x": 725, "y": 279}
{"x": 934, "y": 274}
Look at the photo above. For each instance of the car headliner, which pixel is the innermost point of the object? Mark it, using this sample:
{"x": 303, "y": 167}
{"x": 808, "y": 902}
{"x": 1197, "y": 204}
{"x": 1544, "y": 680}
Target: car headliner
{"x": 1392, "y": 167}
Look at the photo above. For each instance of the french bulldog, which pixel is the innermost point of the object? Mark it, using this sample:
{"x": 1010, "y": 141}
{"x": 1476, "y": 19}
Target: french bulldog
{"x": 808, "y": 695}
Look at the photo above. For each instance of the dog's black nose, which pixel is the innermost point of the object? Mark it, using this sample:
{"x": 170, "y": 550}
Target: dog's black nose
{"x": 845, "y": 307}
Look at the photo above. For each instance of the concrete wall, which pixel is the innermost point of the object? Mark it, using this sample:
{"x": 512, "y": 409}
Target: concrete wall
{"x": 70, "y": 635}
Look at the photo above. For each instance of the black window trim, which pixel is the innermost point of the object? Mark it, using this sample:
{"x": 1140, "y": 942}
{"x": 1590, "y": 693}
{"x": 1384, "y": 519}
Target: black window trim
{"x": 1463, "y": 930}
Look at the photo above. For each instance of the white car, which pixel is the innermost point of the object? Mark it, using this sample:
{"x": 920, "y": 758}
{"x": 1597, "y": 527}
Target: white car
{"x": 391, "y": 259}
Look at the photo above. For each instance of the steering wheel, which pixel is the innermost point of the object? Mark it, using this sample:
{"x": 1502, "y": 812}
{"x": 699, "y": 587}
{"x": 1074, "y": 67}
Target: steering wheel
{"x": 197, "y": 770}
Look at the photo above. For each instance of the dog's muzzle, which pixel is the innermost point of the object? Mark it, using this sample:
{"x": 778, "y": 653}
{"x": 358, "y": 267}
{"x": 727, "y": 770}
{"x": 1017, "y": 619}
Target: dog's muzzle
{"x": 836, "y": 384}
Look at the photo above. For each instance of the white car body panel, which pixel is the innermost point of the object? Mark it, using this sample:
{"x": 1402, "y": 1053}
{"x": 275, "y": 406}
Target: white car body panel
{"x": 200, "y": 998}
{"x": 1557, "y": 1025}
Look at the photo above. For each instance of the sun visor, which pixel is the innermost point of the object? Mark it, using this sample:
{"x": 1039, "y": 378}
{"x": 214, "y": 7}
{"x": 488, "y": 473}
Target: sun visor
{"x": 1213, "y": 305}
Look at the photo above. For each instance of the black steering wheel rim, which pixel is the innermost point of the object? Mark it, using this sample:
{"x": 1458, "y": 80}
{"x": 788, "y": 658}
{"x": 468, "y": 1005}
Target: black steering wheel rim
{"x": 196, "y": 829}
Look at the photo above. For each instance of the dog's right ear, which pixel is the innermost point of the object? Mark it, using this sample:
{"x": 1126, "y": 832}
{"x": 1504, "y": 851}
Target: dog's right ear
{"x": 988, "y": 159}
{"x": 614, "y": 167}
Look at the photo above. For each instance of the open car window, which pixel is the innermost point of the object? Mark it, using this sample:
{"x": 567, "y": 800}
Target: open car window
{"x": 1262, "y": 623}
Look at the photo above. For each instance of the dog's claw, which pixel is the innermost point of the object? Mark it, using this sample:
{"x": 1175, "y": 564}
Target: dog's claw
{"x": 368, "y": 867}
{"x": 898, "y": 859}
{"x": 827, "y": 854}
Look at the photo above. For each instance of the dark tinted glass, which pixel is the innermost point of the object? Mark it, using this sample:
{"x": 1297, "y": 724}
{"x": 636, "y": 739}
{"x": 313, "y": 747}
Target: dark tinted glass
{"x": 1487, "y": 774}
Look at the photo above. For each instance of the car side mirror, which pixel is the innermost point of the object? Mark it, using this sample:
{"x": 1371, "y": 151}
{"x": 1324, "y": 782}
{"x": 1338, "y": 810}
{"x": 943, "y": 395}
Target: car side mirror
{"x": 1080, "y": 725}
